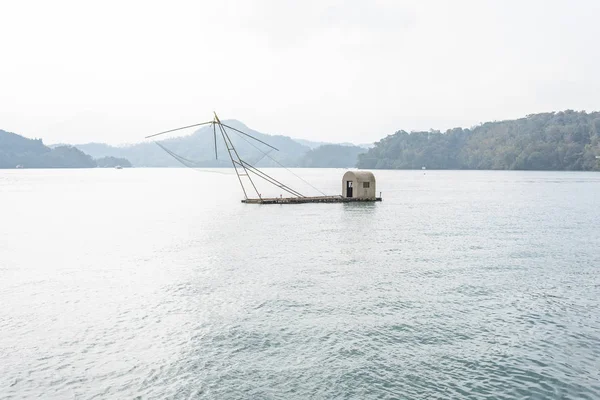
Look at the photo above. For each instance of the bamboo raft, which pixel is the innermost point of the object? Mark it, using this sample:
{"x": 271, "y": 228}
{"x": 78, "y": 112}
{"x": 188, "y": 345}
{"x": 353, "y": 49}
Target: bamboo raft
{"x": 300, "y": 200}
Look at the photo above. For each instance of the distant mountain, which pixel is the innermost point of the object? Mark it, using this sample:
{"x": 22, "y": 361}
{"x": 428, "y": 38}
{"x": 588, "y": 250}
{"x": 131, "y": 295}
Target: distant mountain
{"x": 112, "y": 162}
{"x": 17, "y": 151}
{"x": 366, "y": 145}
{"x": 313, "y": 145}
{"x": 309, "y": 143}
{"x": 199, "y": 148}
{"x": 332, "y": 156}
{"x": 566, "y": 140}
{"x": 140, "y": 155}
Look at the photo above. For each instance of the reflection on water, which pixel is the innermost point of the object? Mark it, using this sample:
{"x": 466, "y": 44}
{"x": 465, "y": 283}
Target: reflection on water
{"x": 128, "y": 283}
{"x": 361, "y": 207}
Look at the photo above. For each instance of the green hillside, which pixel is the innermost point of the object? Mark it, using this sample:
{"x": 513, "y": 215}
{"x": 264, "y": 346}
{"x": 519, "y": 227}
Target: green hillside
{"x": 566, "y": 140}
{"x": 18, "y": 151}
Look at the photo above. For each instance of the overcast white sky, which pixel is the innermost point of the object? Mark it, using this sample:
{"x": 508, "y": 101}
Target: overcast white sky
{"x": 332, "y": 70}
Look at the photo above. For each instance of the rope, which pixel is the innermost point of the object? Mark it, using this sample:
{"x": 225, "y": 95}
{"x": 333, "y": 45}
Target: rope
{"x": 277, "y": 162}
{"x": 184, "y": 161}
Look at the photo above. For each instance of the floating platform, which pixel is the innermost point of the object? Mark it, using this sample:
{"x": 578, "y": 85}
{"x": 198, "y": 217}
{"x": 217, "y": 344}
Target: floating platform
{"x": 357, "y": 186}
{"x": 317, "y": 199}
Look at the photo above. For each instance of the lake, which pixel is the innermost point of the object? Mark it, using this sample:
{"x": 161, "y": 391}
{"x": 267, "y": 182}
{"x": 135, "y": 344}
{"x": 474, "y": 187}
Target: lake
{"x": 160, "y": 283}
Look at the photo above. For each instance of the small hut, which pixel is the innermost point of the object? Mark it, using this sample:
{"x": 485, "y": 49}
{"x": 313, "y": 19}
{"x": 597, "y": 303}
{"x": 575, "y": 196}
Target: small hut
{"x": 359, "y": 185}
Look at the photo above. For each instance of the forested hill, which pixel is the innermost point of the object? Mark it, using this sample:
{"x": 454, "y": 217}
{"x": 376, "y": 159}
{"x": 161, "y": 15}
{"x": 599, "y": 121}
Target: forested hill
{"x": 332, "y": 156}
{"x": 19, "y": 152}
{"x": 566, "y": 140}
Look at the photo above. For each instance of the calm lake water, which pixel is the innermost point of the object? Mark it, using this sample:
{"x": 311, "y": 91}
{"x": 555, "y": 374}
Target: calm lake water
{"x": 159, "y": 283}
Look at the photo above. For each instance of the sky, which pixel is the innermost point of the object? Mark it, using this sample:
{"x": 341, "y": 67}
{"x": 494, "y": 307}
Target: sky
{"x": 323, "y": 70}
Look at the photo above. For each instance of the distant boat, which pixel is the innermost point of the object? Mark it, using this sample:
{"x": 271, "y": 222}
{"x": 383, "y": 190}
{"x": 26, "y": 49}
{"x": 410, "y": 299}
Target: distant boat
{"x": 118, "y": 167}
{"x": 19, "y": 166}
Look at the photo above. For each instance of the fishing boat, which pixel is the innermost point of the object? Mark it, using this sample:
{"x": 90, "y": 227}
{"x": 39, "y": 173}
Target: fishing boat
{"x": 357, "y": 186}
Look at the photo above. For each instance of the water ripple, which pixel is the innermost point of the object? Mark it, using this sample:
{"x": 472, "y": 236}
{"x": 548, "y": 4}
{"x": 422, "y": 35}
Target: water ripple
{"x": 459, "y": 285}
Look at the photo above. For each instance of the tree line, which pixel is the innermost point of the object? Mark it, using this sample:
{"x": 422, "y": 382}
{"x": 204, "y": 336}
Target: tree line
{"x": 566, "y": 140}
{"x": 19, "y": 152}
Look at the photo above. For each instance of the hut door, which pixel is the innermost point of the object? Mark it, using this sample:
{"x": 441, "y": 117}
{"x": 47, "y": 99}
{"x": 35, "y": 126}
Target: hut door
{"x": 348, "y": 188}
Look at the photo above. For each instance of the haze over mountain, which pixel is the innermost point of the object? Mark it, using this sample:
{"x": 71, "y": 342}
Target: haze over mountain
{"x": 17, "y": 151}
{"x": 199, "y": 148}
{"x": 566, "y": 140}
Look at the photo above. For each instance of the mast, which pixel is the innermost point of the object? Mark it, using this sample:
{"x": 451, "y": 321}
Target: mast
{"x": 235, "y": 159}
{"x": 243, "y": 169}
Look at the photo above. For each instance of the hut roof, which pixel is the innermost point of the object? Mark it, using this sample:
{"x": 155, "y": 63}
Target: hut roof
{"x": 361, "y": 175}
